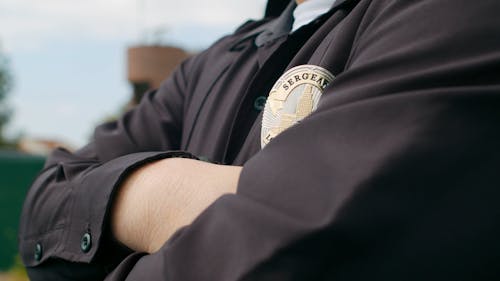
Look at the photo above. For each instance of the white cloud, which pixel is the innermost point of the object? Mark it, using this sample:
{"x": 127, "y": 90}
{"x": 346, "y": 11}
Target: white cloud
{"x": 28, "y": 24}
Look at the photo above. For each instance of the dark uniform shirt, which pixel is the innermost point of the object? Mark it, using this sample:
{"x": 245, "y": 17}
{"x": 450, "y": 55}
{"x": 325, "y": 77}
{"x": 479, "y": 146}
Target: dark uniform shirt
{"x": 393, "y": 177}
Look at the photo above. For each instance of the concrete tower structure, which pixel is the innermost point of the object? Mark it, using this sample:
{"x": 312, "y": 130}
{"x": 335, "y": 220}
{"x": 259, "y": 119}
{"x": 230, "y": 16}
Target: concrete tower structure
{"x": 148, "y": 66}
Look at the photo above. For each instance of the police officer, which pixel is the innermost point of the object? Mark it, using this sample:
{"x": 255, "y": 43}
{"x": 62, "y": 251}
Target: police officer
{"x": 374, "y": 157}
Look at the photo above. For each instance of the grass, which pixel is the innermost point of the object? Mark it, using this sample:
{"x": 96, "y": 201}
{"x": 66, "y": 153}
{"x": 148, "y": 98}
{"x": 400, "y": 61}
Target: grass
{"x": 16, "y": 273}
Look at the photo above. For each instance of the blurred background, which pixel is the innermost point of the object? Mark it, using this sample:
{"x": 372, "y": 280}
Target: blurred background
{"x": 68, "y": 65}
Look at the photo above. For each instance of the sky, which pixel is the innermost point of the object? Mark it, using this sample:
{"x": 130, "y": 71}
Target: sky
{"x": 68, "y": 57}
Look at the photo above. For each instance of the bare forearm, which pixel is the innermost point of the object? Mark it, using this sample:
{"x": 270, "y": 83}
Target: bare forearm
{"x": 159, "y": 198}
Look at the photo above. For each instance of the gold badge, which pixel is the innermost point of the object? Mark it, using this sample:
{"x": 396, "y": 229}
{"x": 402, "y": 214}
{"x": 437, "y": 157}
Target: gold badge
{"x": 294, "y": 96}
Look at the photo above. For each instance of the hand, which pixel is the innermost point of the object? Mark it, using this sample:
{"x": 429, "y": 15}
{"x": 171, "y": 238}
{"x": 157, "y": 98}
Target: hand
{"x": 159, "y": 198}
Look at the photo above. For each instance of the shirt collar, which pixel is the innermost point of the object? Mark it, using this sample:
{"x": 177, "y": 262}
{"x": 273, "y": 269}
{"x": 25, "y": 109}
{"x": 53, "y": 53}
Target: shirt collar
{"x": 279, "y": 26}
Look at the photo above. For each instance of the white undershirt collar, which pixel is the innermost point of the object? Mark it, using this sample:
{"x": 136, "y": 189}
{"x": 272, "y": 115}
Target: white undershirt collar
{"x": 310, "y": 10}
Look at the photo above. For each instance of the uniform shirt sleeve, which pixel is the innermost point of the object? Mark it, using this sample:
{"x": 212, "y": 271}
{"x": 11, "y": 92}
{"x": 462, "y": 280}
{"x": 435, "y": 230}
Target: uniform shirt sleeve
{"x": 394, "y": 177}
{"x": 65, "y": 210}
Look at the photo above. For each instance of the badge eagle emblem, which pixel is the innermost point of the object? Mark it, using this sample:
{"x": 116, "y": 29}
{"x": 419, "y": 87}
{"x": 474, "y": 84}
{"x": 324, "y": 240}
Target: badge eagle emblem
{"x": 294, "y": 96}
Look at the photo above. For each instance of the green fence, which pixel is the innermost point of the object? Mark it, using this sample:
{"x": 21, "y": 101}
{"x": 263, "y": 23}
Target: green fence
{"x": 17, "y": 171}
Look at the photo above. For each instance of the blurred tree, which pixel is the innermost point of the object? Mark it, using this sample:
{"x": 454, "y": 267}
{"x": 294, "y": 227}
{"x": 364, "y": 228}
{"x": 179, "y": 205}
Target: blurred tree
{"x": 5, "y": 87}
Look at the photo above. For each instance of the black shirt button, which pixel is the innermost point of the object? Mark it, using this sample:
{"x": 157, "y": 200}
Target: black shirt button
{"x": 86, "y": 243}
{"x": 38, "y": 252}
{"x": 259, "y": 103}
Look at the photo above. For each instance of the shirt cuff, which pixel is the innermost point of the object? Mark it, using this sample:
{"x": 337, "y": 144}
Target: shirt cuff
{"x": 91, "y": 195}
